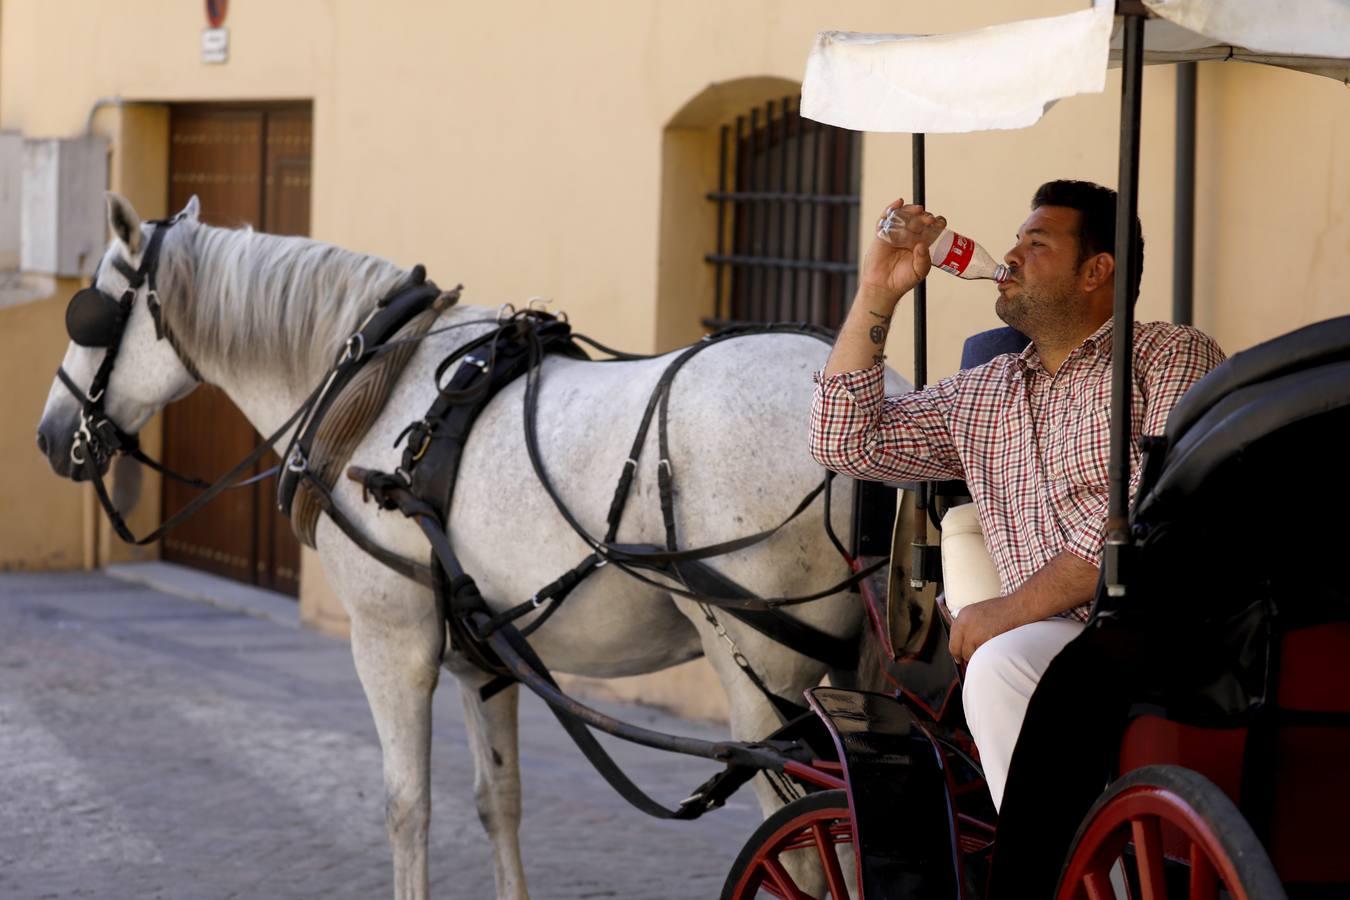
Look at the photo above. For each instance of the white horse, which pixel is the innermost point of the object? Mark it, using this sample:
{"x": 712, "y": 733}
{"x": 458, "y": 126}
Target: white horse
{"x": 264, "y": 316}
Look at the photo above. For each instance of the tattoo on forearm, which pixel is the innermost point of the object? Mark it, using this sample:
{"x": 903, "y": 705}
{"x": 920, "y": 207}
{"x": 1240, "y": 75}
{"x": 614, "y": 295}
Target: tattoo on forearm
{"x": 878, "y": 334}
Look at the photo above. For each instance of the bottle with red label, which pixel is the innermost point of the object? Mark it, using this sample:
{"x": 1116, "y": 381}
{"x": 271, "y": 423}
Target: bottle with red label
{"x": 952, "y": 252}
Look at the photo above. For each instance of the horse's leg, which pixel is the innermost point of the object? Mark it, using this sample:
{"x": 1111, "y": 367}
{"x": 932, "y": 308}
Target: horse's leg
{"x": 396, "y": 645}
{"x": 496, "y": 775}
{"x": 753, "y": 716}
{"x": 398, "y": 671}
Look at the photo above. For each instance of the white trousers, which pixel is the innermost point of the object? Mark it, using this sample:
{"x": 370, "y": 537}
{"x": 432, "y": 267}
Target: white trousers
{"x": 999, "y": 680}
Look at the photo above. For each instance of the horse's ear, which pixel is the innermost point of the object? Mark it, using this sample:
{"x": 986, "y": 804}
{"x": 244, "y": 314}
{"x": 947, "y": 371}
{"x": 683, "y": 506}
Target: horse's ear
{"x": 193, "y": 209}
{"x": 125, "y": 224}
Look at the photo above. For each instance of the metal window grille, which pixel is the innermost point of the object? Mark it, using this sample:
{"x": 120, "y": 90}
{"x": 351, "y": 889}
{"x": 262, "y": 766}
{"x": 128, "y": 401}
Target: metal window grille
{"x": 787, "y": 219}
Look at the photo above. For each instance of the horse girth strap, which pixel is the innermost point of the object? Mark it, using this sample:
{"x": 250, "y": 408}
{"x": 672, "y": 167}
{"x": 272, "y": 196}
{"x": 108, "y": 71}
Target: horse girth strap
{"x": 346, "y": 422}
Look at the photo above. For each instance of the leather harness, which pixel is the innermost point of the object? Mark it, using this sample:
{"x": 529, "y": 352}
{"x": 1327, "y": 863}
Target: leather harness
{"x": 333, "y": 420}
{"x": 354, "y": 396}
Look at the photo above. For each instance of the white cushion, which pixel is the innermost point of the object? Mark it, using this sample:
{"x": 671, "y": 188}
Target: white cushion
{"x": 968, "y": 571}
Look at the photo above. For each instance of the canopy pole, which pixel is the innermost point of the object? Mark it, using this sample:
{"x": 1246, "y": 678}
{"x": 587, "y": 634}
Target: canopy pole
{"x": 921, "y": 289}
{"x": 1183, "y": 222}
{"x": 920, "y": 555}
{"x": 1115, "y": 561}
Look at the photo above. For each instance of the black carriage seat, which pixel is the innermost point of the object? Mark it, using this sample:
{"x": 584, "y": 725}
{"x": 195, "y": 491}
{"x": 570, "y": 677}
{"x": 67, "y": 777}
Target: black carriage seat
{"x": 1271, "y": 594}
{"x": 1232, "y": 649}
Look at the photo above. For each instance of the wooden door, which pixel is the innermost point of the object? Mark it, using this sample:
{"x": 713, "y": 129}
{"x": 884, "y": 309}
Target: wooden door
{"x": 249, "y": 166}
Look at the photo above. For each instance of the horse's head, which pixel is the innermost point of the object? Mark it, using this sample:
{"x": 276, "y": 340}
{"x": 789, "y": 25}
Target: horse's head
{"x": 118, "y": 370}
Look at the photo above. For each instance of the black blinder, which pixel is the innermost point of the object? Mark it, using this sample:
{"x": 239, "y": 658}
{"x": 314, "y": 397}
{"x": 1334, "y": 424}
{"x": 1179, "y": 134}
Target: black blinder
{"x": 93, "y": 319}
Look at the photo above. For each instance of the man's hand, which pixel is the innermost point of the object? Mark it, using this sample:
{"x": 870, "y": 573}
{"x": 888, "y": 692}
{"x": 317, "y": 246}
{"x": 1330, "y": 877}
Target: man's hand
{"x": 890, "y": 270}
{"x": 1061, "y": 584}
{"x": 979, "y": 622}
{"x": 897, "y": 263}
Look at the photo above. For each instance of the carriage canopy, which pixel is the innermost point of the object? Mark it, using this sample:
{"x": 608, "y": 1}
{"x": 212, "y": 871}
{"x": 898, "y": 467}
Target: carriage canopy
{"x": 1006, "y": 76}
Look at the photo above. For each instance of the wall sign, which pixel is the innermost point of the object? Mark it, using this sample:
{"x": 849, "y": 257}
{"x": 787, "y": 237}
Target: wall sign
{"x": 215, "y": 39}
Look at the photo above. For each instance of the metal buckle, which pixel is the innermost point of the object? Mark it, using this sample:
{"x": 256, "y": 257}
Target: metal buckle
{"x": 698, "y": 798}
{"x": 422, "y": 450}
{"x": 502, "y": 314}
{"x": 84, "y": 437}
{"x": 472, "y": 360}
{"x": 359, "y": 340}
{"x": 538, "y": 303}
{"x": 75, "y": 455}
{"x": 296, "y": 462}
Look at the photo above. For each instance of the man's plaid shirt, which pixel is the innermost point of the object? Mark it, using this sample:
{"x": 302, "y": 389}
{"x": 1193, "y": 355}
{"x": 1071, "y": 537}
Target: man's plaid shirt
{"x": 1033, "y": 447}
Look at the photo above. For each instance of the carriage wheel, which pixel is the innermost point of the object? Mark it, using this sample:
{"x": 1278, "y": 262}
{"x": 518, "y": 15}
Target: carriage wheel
{"x": 813, "y": 827}
{"x": 1184, "y": 833}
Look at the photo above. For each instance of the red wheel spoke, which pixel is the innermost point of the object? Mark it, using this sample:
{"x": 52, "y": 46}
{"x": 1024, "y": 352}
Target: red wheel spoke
{"x": 783, "y": 881}
{"x": 1097, "y": 886}
{"x": 1148, "y": 854}
{"x": 761, "y": 880}
{"x": 1204, "y": 880}
{"x": 1161, "y": 808}
{"x": 834, "y": 875}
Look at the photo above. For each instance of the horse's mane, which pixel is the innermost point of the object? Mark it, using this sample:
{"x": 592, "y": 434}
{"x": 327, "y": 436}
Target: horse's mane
{"x": 237, "y": 298}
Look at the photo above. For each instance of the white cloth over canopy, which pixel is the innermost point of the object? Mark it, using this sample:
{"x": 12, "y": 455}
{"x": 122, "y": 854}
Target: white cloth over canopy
{"x": 1006, "y": 76}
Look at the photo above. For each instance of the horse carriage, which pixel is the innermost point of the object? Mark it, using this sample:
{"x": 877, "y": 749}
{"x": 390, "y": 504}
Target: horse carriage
{"x": 1190, "y": 742}
{"x": 1212, "y": 698}
{"x": 1208, "y": 689}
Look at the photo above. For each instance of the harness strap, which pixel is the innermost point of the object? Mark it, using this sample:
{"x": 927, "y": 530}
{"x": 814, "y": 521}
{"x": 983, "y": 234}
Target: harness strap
{"x": 632, "y": 568}
{"x": 575, "y": 719}
{"x": 552, "y": 593}
{"x": 642, "y": 554}
{"x": 836, "y": 652}
{"x": 516, "y": 655}
{"x": 418, "y": 572}
{"x": 91, "y": 468}
{"x": 335, "y": 437}
{"x": 409, "y": 299}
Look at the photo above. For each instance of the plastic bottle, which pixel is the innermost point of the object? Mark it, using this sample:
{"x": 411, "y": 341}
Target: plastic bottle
{"x": 952, "y": 252}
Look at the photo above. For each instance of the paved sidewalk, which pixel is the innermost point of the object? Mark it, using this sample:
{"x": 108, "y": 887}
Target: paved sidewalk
{"x": 154, "y": 746}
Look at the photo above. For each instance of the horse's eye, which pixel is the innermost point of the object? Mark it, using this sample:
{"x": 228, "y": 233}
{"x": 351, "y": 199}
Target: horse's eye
{"x": 93, "y": 319}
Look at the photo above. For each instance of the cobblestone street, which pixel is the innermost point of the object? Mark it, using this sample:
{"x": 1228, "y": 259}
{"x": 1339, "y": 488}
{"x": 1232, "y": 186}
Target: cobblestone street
{"x": 158, "y": 747}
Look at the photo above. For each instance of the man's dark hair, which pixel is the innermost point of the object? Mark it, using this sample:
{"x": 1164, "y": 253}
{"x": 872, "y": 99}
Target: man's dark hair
{"x": 1096, "y": 207}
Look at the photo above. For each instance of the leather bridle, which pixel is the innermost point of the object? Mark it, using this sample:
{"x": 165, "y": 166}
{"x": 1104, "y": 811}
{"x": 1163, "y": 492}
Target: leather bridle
{"x": 95, "y": 319}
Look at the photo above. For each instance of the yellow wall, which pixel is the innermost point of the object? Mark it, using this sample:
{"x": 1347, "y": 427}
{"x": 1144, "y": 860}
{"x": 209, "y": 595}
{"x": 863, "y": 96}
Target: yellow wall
{"x": 44, "y": 519}
{"x": 563, "y": 149}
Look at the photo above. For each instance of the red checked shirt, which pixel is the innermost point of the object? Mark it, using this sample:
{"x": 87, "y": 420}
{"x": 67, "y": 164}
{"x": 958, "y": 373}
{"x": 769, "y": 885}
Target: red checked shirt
{"x": 1032, "y": 447}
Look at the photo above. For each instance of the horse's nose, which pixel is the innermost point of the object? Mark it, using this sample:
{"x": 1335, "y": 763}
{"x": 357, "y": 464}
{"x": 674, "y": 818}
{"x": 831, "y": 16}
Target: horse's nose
{"x": 42, "y": 442}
